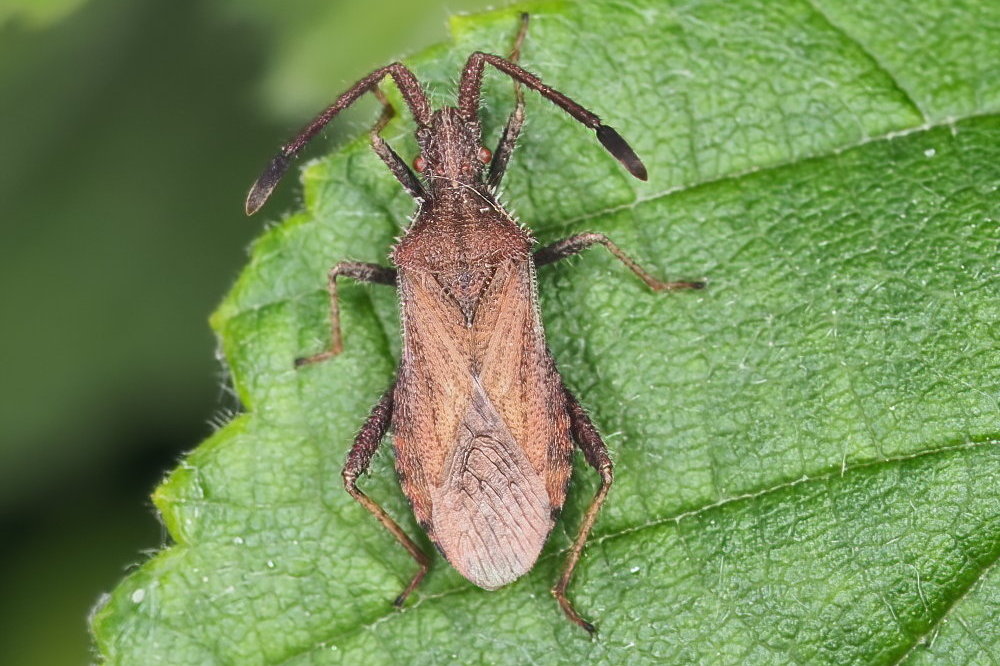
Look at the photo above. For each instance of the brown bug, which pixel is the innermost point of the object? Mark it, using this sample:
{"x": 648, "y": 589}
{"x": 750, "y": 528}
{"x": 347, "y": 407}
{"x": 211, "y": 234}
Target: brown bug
{"x": 483, "y": 426}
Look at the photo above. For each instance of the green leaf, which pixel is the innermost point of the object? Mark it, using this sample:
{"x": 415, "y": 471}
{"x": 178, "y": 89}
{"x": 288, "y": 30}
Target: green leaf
{"x": 806, "y": 451}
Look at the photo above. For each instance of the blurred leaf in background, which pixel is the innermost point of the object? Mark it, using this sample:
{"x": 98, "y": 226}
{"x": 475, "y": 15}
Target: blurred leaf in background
{"x": 807, "y": 451}
{"x": 130, "y": 131}
{"x": 36, "y": 14}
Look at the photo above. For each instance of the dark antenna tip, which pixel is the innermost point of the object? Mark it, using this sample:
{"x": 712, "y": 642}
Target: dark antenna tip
{"x": 265, "y": 183}
{"x": 617, "y": 146}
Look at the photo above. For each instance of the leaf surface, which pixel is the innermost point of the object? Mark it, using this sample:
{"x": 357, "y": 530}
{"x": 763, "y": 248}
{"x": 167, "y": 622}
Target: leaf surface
{"x": 806, "y": 451}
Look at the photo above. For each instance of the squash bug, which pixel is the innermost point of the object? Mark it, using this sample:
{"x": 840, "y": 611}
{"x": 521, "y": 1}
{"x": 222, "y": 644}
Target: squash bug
{"x": 483, "y": 426}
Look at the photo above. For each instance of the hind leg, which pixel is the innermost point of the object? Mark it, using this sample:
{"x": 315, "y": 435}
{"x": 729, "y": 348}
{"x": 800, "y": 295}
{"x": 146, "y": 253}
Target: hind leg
{"x": 358, "y": 460}
{"x": 596, "y": 453}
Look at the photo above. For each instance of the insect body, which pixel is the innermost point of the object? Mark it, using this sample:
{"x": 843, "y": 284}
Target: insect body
{"x": 483, "y": 426}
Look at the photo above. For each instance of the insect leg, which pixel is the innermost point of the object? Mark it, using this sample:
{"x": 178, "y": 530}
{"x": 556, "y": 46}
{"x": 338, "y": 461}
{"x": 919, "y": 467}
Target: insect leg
{"x": 516, "y": 120}
{"x": 596, "y": 453}
{"x": 575, "y": 244}
{"x": 359, "y": 271}
{"x": 358, "y": 460}
{"x": 396, "y": 165}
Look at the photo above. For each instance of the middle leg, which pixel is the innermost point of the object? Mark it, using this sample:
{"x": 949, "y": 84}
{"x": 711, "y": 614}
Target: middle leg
{"x": 359, "y": 271}
{"x": 576, "y": 244}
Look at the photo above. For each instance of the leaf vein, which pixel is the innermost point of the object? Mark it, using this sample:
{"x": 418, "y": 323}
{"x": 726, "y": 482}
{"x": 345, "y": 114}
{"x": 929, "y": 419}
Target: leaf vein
{"x": 871, "y": 56}
{"x": 921, "y": 639}
{"x": 949, "y": 122}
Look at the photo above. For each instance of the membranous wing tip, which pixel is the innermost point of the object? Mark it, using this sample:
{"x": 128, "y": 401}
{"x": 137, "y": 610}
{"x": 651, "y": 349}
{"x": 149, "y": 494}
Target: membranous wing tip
{"x": 492, "y": 514}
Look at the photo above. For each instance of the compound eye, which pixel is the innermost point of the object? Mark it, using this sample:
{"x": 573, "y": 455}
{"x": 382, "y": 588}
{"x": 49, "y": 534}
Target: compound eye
{"x": 485, "y": 155}
{"x": 419, "y": 164}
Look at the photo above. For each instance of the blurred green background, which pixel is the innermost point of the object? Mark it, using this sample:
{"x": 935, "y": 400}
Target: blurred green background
{"x": 129, "y": 133}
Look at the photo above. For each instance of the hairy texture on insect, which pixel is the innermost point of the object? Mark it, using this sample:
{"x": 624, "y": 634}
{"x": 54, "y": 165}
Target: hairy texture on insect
{"x": 483, "y": 427}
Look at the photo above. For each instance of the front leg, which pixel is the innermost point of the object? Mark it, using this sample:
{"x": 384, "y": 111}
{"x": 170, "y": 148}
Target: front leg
{"x": 392, "y": 159}
{"x": 575, "y": 244}
{"x": 505, "y": 148}
{"x": 359, "y": 271}
{"x": 358, "y": 460}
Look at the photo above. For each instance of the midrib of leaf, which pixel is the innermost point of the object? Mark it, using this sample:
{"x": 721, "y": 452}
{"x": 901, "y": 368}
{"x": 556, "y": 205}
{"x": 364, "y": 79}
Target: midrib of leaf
{"x": 691, "y": 513}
